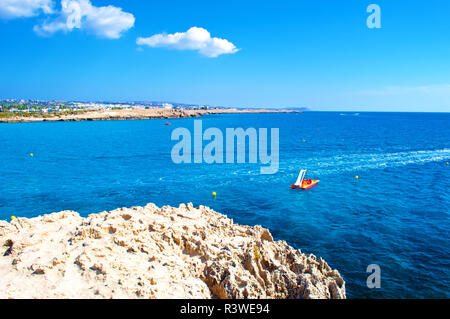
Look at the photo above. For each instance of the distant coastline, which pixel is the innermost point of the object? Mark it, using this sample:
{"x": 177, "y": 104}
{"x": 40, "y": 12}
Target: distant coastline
{"x": 133, "y": 114}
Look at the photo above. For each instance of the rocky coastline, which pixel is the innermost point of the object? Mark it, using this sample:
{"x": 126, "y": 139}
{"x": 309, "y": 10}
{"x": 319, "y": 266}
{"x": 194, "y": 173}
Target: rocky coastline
{"x": 135, "y": 114}
{"x": 152, "y": 252}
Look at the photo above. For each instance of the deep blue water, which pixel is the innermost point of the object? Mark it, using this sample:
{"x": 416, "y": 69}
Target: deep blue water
{"x": 396, "y": 215}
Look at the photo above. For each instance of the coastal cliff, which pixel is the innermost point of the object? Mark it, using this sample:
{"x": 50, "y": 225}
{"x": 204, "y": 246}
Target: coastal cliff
{"x": 151, "y": 252}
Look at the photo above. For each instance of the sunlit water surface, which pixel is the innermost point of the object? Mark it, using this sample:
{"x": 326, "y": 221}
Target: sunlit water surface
{"x": 395, "y": 215}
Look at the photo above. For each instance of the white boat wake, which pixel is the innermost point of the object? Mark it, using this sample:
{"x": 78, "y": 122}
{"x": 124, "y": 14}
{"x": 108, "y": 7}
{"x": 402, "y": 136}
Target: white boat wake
{"x": 358, "y": 162}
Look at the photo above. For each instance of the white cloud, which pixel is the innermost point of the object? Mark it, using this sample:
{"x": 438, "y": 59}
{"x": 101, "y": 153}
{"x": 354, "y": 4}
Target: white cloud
{"x": 194, "y": 39}
{"x": 107, "y": 22}
{"x": 11, "y": 9}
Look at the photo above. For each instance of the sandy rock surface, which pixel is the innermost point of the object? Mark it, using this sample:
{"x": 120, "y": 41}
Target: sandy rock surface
{"x": 151, "y": 252}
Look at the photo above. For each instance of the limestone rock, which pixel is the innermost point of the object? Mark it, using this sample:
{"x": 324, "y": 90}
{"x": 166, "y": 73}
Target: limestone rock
{"x": 151, "y": 252}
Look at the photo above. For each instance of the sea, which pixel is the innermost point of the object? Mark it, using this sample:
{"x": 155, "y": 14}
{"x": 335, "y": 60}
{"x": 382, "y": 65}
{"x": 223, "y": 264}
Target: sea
{"x": 396, "y": 214}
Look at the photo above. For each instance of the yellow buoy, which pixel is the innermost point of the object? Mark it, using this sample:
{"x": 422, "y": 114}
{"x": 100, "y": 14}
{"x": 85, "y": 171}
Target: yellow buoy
{"x": 447, "y": 163}
{"x": 214, "y": 194}
{"x": 13, "y": 217}
{"x": 31, "y": 154}
{"x": 357, "y": 177}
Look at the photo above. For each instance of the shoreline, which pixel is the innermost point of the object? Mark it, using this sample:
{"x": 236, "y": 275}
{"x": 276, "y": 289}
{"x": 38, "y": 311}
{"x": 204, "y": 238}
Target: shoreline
{"x": 152, "y": 252}
{"x": 135, "y": 114}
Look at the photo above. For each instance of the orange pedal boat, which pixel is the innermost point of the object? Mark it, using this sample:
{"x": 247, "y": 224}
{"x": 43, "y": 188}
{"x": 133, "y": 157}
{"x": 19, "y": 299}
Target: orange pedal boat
{"x": 303, "y": 183}
{"x": 306, "y": 184}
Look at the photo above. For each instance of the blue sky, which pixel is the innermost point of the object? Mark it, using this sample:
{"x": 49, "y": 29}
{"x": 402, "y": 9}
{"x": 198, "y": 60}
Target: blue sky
{"x": 318, "y": 54}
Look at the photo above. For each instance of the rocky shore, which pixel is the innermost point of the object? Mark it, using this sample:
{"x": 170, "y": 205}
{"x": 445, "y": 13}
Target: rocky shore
{"x": 136, "y": 114}
{"x": 151, "y": 252}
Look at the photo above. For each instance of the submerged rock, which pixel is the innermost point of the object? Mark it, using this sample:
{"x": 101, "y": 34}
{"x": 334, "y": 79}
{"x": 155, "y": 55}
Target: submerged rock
{"x": 151, "y": 252}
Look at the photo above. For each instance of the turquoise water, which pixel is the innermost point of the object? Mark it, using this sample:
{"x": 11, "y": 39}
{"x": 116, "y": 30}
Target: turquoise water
{"x": 395, "y": 215}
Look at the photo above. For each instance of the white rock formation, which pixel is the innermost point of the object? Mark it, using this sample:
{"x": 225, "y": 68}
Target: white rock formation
{"x": 151, "y": 252}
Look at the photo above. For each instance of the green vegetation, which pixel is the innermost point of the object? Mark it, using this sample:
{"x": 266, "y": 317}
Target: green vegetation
{"x": 256, "y": 252}
{"x": 14, "y": 111}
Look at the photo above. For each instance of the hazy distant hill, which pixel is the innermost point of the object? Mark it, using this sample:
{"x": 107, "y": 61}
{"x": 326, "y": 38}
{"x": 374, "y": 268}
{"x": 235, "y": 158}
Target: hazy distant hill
{"x": 304, "y": 109}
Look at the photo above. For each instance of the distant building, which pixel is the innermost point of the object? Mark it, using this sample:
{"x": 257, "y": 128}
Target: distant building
{"x": 167, "y": 105}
